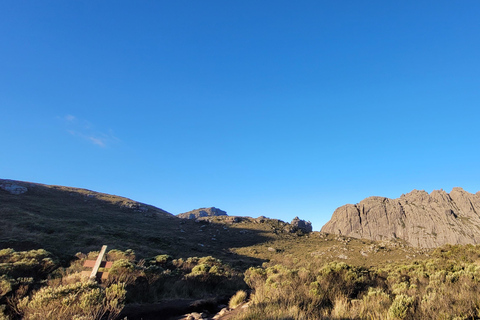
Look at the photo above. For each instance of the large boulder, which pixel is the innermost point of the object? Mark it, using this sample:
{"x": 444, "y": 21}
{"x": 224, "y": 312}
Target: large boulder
{"x": 298, "y": 224}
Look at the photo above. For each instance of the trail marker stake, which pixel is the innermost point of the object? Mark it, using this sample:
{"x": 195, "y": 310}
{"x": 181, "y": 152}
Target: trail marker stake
{"x": 93, "y": 275}
{"x": 96, "y": 264}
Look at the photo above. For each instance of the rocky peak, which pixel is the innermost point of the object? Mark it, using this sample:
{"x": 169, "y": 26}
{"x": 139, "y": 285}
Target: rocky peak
{"x": 421, "y": 219}
{"x": 416, "y": 195}
{"x": 440, "y": 196}
{"x": 302, "y": 225}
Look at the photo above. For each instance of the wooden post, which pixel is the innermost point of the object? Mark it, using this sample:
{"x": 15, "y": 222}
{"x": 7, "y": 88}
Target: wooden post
{"x": 93, "y": 275}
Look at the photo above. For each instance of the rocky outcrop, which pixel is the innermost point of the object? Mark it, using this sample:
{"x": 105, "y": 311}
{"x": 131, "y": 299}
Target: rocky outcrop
{"x": 12, "y": 187}
{"x": 202, "y": 212}
{"x": 298, "y": 224}
{"x": 421, "y": 219}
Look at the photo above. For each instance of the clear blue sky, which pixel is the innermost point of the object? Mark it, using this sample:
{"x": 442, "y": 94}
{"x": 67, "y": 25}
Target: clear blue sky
{"x": 275, "y": 108}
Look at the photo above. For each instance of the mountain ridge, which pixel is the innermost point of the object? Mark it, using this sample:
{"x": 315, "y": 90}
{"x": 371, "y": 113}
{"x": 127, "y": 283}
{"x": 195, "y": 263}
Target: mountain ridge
{"x": 67, "y": 220}
{"x": 421, "y": 219}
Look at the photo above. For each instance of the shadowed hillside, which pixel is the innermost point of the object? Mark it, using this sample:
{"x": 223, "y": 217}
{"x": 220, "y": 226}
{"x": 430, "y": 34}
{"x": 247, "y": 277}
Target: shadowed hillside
{"x": 65, "y": 220}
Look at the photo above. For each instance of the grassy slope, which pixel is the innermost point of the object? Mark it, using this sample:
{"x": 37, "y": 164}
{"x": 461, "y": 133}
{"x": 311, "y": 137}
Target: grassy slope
{"x": 67, "y": 220}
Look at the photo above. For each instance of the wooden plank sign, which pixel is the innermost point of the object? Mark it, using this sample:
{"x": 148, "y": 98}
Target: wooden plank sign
{"x": 97, "y": 264}
{"x": 102, "y": 275}
{"x": 93, "y": 275}
{"x": 103, "y": 264}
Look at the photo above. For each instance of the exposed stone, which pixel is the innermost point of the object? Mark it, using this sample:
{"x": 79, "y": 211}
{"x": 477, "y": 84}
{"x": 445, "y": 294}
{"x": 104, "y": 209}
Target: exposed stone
{"x": 135, "y": 206}
{"x": 421, "y": 219}
{"x": 221, "y": 313}
{"x": 202, "y": 212}
{"x": 246, "y": 305}
{"x": 302, "y": 225}
{"x": 261, "y": 219}
{"x": 196, "y": 316}
{"x": 233, "y": 220}
{"x": 13, "y": 188}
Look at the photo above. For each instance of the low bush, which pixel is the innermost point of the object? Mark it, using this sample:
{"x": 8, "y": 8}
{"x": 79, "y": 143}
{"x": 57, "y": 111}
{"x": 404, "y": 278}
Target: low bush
{"x": 34, "y": 263}
{"x": 237, "y": 299}
{"x": 81, "y": 300}
{"x": 445, "y": 286}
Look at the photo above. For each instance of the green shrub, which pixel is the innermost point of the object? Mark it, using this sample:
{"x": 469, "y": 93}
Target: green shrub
{"x": 115, "y": 299}
{"x": 123, "y": 270}
{"x": 216, "y": 270}
{"x": 33, "y": 263}
{"x": 122, "y": 265}
{"x": 2, "y": 312}
{"x": 200, "y": 269}
{"x": 375, "y": 304}
{"x": 5, "y": 254}
{"x": 400, "y": 307}
{"x": 5, "y": 285}
{"x": 163, "y": 259}
{"x": 255, "y": 276}
{"x": 77, "y": 300}
{"x": 209, "y": 260}
{"x": 115, "y": 254}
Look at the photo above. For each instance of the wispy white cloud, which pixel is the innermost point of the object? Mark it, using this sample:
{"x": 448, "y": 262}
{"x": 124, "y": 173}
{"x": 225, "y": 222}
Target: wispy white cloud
{"x": 98, "y": 141}
{"x": 86, "y": 131}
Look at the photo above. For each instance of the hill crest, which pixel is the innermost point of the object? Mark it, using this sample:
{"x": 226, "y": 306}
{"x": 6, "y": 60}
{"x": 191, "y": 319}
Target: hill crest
{"x": 202, "y": 212}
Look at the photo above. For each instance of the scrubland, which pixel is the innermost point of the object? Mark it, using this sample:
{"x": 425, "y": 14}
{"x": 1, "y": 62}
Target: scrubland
{"x": 445, "y": 286}
{"x": 33, "y": 285}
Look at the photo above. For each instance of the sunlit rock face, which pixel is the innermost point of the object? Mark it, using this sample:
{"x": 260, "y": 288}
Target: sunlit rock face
{"x": 421, "y": 219}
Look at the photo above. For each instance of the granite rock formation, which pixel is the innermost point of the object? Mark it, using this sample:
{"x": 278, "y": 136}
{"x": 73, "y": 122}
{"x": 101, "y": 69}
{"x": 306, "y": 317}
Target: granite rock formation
{"x": 202, "y": 212}
{"x": 421, "y": 219}
{"x": 302, "y": 225}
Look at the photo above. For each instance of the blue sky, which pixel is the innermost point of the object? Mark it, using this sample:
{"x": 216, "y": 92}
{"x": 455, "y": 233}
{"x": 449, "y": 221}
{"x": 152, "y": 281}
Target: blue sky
{"x": 274, "y": 108}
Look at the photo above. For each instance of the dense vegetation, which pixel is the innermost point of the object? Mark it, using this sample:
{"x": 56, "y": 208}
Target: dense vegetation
{"x": 445, "y": 286}
{"x": 34, "y": 286}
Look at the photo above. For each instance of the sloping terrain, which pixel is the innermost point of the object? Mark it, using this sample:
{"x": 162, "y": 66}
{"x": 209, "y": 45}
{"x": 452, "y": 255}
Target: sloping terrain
{"x": 65, "y": 220}
{"x": 421, "y": 219}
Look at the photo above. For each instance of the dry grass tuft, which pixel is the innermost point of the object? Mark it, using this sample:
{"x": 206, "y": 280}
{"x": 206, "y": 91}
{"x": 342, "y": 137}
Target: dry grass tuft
{"x": 236, "y": 300}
